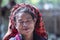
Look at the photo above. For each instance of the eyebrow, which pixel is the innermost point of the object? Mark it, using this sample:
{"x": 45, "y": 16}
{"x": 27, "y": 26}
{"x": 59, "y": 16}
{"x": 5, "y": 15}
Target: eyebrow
{"x": 21, "y": 19}
{"x": 28, "y": 18}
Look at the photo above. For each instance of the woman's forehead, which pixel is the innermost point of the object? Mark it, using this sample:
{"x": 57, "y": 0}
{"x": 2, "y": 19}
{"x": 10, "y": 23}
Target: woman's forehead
{"x": 23, "y": 16}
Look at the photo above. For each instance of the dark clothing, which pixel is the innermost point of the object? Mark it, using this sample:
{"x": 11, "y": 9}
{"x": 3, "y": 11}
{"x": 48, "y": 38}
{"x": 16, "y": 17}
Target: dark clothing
{"x": 35, "y": 37}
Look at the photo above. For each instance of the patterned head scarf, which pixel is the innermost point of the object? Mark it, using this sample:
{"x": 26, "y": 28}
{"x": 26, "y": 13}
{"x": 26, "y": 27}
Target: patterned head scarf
{"x": 39, "y": 27}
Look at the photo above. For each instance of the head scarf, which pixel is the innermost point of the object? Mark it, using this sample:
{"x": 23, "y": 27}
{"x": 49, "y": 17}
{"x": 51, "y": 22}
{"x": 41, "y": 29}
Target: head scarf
{"x": 39, "y": 27}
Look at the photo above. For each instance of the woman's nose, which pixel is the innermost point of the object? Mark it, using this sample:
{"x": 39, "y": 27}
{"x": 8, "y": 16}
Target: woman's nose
{"x": 24, "y": 25}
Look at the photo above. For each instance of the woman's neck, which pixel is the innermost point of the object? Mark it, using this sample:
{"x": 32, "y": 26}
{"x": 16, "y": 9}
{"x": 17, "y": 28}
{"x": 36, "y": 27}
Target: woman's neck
{"x": 28, "y": 37}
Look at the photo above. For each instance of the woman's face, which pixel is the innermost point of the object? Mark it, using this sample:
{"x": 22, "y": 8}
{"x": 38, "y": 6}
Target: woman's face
{"x": 25, "y": 23}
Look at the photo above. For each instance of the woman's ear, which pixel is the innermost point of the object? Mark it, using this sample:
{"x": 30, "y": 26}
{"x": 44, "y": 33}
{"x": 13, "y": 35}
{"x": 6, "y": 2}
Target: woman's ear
{"x": 35, "y": 20}
{"x": 15, "y": 26}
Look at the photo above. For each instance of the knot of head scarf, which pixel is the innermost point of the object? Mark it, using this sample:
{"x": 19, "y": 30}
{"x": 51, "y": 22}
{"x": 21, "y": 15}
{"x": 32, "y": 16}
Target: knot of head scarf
{"x": 39, "y": 27}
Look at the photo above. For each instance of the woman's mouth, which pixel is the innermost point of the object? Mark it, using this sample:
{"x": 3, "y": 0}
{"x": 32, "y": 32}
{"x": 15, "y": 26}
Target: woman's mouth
{"x": 26, "y": 30}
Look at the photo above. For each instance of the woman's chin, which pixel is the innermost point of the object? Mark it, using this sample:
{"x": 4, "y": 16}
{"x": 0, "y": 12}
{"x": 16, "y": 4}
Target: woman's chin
{"x": 26, "y": 31}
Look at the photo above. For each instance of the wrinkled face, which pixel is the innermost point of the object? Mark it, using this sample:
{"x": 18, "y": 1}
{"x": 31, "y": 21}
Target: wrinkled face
{"x": 25, "y": 23}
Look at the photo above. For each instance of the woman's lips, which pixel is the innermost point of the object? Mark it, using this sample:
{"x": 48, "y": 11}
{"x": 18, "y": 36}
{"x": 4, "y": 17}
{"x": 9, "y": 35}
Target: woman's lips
{"x": 26, "y": 30}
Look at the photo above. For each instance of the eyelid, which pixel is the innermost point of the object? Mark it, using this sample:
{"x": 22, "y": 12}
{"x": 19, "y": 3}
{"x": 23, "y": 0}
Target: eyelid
{"x": 20, "y": 20}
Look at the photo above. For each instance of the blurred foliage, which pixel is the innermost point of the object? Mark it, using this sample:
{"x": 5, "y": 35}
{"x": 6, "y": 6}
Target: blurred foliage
{"x": 37, "y": 3}
{"x": 4, "y": 2}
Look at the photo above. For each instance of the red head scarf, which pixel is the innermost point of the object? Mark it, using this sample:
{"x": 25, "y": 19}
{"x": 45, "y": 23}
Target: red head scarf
{"x": 40, "y": 30}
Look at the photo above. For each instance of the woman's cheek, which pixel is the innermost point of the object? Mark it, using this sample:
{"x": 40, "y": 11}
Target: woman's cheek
{"x": 19, "y": 28}
{"x": 32, "y": 27}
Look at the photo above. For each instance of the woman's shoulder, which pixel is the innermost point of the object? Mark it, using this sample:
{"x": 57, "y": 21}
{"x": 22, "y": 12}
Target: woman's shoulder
{"x": 37, "y": 37}
{"x": 12, "y": 38}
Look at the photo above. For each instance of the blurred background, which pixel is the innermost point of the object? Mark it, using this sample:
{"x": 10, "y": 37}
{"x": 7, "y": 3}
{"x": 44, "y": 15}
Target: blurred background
{"x": 50, "y": 10}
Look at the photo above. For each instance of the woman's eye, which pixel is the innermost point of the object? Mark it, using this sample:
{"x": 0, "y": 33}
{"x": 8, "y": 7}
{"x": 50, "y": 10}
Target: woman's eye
{"x": 28, "y": 21}
{"x": 21, "y": 21}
